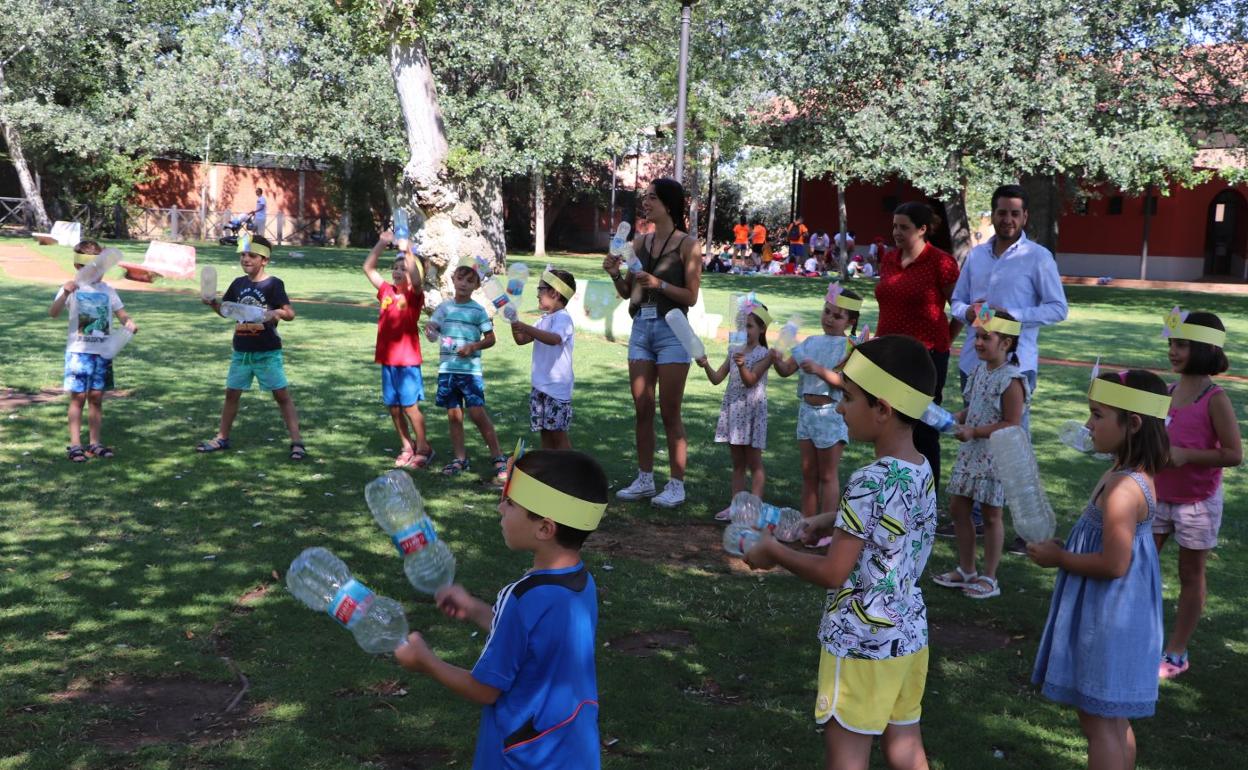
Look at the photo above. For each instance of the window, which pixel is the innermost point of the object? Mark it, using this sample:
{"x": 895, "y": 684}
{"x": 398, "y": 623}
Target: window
{"x": 1115, "y": 204}
{"x": 1219, "y": 213}
{"x": 1150, "y": 205}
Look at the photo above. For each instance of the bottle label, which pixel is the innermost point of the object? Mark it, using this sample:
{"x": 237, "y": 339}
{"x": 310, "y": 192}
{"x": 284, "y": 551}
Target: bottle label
{"x": 515, "y": 287}
{"x": 499, "y": 301}
{"x": 351, "y": 603}
{"x": 415, "y": 538}
{"x": 768, "y": 516}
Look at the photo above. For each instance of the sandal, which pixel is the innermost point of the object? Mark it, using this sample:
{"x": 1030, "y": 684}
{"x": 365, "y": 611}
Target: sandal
{"x": 404, "y": 459}
{"x": 983, "y": 587}
{"x": 500, "y": 469}
{"x": 99, "y": 450}
{"x": 420, "y": 460}
{"x": 216, "y": 444}
{"x": 455, "y": 467}
{"x": 297, "y": 452}
{"x": 955, "y": 579}
{"x": 75, "y": 454}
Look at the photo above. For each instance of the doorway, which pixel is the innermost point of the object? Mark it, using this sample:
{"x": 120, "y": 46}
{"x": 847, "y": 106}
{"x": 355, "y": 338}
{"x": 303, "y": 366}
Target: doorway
{"x": 1226, "y": 230}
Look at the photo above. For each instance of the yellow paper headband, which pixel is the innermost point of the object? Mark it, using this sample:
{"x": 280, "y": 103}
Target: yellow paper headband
{"x": 838, "y": 299}
{"x": 1177, "y": 328}
{"x": 879, "y": 383}
{"x": 1130, "y": 399}
{"x": 1002, "y": 326}
{"x": 762, "y": 314}
{"x": 544, "y": 500}
{"x": 251, "y": 247}
{"x": 556, "y": 283}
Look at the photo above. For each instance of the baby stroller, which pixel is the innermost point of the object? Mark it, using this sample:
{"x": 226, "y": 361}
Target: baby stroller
{"x": 230, "y": 234}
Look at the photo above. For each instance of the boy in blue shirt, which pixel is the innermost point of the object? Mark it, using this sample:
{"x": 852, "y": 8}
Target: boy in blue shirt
{"x": 536, "y": 677}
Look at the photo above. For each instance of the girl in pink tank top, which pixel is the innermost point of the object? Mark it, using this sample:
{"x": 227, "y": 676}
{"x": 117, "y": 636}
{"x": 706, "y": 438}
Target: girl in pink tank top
{"x": 1204, "y": 439}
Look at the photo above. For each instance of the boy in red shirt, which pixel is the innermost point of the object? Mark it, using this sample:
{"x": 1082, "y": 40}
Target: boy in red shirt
{"x": 398, "y": 348}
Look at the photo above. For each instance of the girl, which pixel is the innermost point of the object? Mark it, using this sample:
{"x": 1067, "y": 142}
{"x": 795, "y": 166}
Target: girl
{"x": 1102, "y": 639}
{"x": 821, "y": 431}
{"x": 1204, "y": 439}
{"x": 743, "y": 417}
{"x": 996, "y": 394}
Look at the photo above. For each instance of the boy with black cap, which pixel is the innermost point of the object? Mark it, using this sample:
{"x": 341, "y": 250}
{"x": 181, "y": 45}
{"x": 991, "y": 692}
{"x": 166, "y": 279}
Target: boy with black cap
{"x": 536, "y": 677}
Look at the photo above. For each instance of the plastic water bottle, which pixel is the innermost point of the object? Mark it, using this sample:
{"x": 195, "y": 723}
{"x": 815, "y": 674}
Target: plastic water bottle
{"x": 497, "y": 297}
{"x": 402, "y": 230}
{"x": 630, "y": 258}
{"x": 322, "y": 581}
{"x": 739, "y": 538}
{"x": 619, "y": 240}
{"x": 785, "y": 523}
{"x": 787, "y": 340}
{"x": 939, "y": 418}
{"x": 744, "y": 508}
{"x": 600, "y": 296}
{"x": 118, "y": 338}
{"x": 208, "y": 283}
{"x": 94, "y": 270}
{"x": 1076, "y": 435}
{"x": 1016, "y": 466}
{"x": 248, "y": 314}
{"x": 399, "y": 510}
{"x": 517, "y": 276}
{"x": 679, "y": 324}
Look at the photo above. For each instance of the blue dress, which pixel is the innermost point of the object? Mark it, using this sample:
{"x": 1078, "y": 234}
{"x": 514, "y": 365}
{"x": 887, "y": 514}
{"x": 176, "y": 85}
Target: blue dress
{"x": 1103, "y": 638}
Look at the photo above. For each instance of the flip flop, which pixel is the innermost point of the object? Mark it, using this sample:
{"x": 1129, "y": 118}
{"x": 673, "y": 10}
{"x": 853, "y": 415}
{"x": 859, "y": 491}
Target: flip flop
{"x": 404, "y": 459}
{"x": 215, "y": 444}
{"x": 422, "y": 460}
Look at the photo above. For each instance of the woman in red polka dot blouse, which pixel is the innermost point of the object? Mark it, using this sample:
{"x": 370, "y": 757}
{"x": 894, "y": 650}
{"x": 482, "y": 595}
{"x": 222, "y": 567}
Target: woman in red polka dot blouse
{"x": 916, "y": 281}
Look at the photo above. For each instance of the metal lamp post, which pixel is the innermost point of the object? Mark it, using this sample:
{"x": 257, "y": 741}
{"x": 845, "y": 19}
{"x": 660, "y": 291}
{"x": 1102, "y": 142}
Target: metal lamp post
{"x": 686, "y": 12}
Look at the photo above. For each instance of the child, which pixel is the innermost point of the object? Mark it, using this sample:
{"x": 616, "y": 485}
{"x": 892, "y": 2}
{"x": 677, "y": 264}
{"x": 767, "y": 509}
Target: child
{"x": 996, "y": 393}
{"x": 873, "y": 666}
{"x": 743, "y": 417}
{"x": 550, "y": 400}
{"x": 1204, "y": 439}
{"x": 87, "y": 373}
{"x": 536, "y": 676}
{"x": 464, "y": 330}
{"x": 257, "y": 348}
{"x": 398, "y": 349}
{"x": 821, "y": 432}
{"x": 1102, "y": 639}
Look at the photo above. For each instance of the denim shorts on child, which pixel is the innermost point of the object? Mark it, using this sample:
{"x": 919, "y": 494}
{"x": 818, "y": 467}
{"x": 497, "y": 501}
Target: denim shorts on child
{"x": 653, "y": 340}
{"x": 402, "y": 385}
{"x": 264, "y": 366}
{"x": 1194, "y": 525}
{"x": 459, "y": 390}
{"x": 87, "y": 371}
{"x": 548, "y": 413}
{"x": 822, "y": 425}
{"x": 866, "y": 696}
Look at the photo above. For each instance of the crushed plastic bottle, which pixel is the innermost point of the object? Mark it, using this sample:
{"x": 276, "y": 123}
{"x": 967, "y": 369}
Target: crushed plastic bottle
{"x": 517, "y": 276}
{"x": 118, "y": 338}
{"x": 1016, "y": 466}
{"x": 1076, "y": 435}
{"x": 248, "y": 314}
{"x": 399, "y": 510}
{"x": 740, "y": 538}
{"x": 679, "y": 324}
{"x": 787, "y": 339}
{"x": 619, "y": 240}
{"x": 746, "y": 508}
{"x": 323, "y": 582}
{"x": 208, "y": 283}
{"x": 939, "y": 418}
{"x": 94, "y": 270}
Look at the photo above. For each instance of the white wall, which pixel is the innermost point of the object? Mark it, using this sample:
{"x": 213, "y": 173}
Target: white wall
{"x": 1160, "y": 268}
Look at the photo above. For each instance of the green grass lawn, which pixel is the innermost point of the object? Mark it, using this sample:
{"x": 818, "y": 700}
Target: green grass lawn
{"x": 137, "y": 566}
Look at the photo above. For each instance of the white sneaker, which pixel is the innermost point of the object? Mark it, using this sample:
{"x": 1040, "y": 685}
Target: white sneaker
{"x": 642, "y": 486}
{"x": 672, "y": 495}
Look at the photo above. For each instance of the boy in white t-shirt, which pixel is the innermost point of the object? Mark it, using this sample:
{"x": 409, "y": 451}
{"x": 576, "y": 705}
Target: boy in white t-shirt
{"x": 550, "y": 401}
{"x": 87, "y": 372}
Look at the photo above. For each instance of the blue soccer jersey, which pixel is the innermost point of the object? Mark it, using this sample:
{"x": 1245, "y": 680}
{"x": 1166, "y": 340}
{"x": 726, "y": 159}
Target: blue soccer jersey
{"x": 540, "y": 654}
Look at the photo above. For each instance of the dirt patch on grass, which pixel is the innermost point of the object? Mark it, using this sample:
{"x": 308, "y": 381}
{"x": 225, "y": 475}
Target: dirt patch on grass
{"x": 952, "y": 637}
{"x": 416, "y": 759}
{"x": 143, "y": 712}
{"x": 680, "y": 544}
{"x": 646, "y": 644}
{"x": 709, "y": 690}
{"x": 14, "y": 399}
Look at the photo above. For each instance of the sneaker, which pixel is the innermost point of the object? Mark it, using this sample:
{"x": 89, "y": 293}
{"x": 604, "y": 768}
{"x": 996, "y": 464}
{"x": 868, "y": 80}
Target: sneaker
{"x": 1172, "y": 665}
{"x": 672, "y": 495}
{"x": 642, "y": 486}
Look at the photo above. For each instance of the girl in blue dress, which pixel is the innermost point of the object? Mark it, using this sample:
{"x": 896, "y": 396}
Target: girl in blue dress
{"x": 1103, "y": 636}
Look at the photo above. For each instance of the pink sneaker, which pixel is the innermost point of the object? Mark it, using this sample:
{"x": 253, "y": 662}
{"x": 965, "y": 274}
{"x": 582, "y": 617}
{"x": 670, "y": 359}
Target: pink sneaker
{"x": 724, "y": 515}
{"x": 1173, "y": 665}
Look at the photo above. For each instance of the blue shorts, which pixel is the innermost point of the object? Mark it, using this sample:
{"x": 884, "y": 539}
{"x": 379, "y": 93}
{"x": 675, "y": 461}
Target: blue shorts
{"x": 87, "y": 371}
{"x": 823, "y": 426}
{"x": 402, "y": 385}
{"x": 460, "y": 390}
{"x": 653, "y": 340}
{"x": 264, "y": 366}
{"x": 797, "y": 249}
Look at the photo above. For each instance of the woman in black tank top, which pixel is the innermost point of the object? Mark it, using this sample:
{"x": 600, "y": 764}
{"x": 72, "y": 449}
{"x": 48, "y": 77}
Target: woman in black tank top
{"x": 671, "y": 272}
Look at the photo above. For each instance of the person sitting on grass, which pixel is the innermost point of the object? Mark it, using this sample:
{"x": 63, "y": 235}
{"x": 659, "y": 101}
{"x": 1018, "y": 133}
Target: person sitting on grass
{"x": 398, "y": 349}
{"x": 463, "y": 329}
{"x": 87, "y": 372}
{"x": 536, "y": 675}
{"x": 257, "y": 347}
{"x": 550, "y": 400}
{"x": 873, "y": 665}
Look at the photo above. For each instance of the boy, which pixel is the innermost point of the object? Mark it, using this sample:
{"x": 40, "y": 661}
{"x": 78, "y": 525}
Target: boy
{"x": 257, "y": 348}
{"x": 464, "y": 329}
{"x": 873, "y": 668}
{"x": 550, "y": 400}
{"x": 536, "y": 676}
{"x": 398, "y": 349}
{"x": 87, "y": 373}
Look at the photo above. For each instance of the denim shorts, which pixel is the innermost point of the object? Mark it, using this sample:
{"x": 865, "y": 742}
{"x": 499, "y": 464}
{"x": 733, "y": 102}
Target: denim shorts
{"x": 402, "y": 385}
{"x": 653, "y": 340}
{"x": 457, "y": 390}
{"x": 823, "y": 426}
{"x": 87, "y": 371}
{"x": 264, "y": 366}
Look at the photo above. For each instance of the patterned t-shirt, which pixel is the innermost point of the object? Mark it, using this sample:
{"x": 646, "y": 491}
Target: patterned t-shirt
{"x": 879, "y": 612}
{"x": 460, "y": 325}
{"x": 91, "y": 310}
{"x": 912, "y": 299}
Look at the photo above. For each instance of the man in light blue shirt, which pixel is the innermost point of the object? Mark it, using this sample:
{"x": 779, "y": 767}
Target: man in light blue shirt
{"x": 1012, "y": 272}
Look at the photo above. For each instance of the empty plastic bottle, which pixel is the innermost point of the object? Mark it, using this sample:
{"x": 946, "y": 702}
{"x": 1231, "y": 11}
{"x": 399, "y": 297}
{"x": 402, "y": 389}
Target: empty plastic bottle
{"x": 1076, "y": 435}
{"x": 679, "y": 324}
{"x": 118, "y": 338}
{"x": 400, "y": 511}
{"x": 787, "y": 339}
{"x": 248, "y": 314}
{"x": 746, "y": 508}
{"x": 619, "y": 240}
{"x": 1016, "y": 466}
{"x": 94, "y": 270}
{"x": 517, "y": 276}
{"x": 939, "y": 418}
{"x": 402, "y": 230}
{"x": 208, "y": 283}
{"x": 322, "y": 581}
{"x": 739, "y": 538}
{"x": 497, "y": 297}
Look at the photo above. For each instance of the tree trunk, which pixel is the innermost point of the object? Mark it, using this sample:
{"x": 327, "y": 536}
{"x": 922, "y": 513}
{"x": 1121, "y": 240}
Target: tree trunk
{"x": 841, "y": 217}
{"x": 1148, "y": 226}
{"x": 708, "y": 246}
{"x": 695, "y": 193}
{"x": 29, "y": 188}
{"x": 955, "y": 209}
{"x": 539, "y": 213}
{"x": 455, "y": 227}
{"x": 1043, "y": 209}
{"x": 344, "y": 227}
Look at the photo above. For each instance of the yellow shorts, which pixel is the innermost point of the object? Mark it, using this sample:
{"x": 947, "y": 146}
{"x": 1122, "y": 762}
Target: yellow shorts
{"x": 866, "y": 696}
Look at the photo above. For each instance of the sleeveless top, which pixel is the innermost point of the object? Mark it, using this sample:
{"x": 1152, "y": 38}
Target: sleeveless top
{"x": 668, "y": 266}
{"x": 1190, "y": 428}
